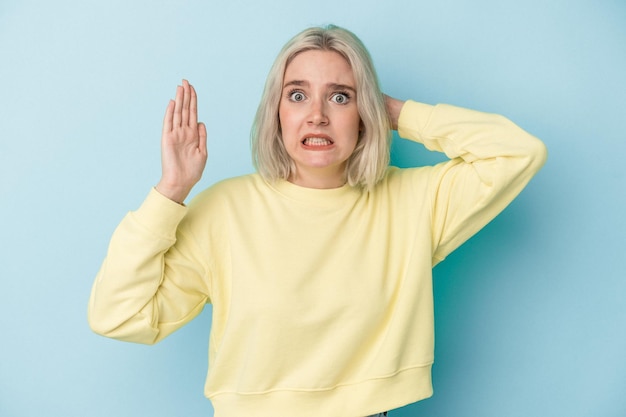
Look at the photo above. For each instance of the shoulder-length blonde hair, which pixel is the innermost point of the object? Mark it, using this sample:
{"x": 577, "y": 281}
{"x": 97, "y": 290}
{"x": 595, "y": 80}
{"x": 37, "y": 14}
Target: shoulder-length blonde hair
{"x": 367, "y": 164}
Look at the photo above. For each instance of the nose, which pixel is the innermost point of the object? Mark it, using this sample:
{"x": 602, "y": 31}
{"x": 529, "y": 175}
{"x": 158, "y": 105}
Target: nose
{"x": 318, "y": 116}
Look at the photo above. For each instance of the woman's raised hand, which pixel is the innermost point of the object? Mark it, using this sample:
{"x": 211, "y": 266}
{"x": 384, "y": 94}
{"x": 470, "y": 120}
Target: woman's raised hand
{"x": 394, "y": 106}
{"x": 183, "y": 145}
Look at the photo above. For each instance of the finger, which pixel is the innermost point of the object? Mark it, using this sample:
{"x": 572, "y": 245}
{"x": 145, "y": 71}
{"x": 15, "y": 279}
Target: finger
{"x": 193, "y": 107}
{"x": 168, "y": 119}
{"x": 186, "y": 101}
{"x": 202, "y": 141}
{"x": 178, "y": 107}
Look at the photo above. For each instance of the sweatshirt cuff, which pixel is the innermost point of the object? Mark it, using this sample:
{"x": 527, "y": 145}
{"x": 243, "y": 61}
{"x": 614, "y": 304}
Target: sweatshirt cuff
{"x": 159, "y": 213}
{"x": 413, "y": 119}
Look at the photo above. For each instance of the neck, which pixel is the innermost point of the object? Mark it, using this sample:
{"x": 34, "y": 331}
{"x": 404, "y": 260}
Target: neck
{"x": 319, "y": 180}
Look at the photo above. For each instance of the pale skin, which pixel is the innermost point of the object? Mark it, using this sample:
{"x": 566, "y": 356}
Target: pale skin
{"x": 183, "y": 145}
{"x": 184, "y": 139}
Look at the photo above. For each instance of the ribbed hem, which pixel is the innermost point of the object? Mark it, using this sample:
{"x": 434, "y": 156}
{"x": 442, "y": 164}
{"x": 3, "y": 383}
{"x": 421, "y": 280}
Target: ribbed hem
{"x": 413, "y": 119}
{"x": 353, "y": 400}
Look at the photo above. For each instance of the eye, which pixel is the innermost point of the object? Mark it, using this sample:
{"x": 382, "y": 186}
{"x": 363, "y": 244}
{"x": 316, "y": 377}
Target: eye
{"x": 340, "y": 98}
{"x": 296, "y": 96}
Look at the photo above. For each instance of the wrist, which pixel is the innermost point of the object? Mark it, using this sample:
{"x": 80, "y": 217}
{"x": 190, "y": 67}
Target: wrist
{"x": 172, "y": 192}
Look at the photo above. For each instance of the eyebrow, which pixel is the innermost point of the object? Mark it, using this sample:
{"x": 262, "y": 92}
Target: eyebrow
{"x": 332, "y": 86}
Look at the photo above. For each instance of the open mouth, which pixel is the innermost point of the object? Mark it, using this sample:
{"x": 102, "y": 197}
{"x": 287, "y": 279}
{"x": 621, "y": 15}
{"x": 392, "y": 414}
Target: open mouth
{"x": 317, "y": 141}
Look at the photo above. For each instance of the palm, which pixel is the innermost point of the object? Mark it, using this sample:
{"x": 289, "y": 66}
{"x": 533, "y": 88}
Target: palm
{"x": 183, "y": 145}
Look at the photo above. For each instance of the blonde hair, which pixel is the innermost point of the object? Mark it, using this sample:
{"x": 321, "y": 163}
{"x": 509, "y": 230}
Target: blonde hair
{"x": 367, "y": 164}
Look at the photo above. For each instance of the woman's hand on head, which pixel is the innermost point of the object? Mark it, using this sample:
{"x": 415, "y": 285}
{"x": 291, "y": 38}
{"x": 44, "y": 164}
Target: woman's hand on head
{"x": 183, "y": 145}
{"x": 394, "y": 106}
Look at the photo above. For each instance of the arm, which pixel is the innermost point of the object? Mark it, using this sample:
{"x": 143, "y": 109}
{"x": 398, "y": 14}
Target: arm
{"x": 491, "y": 161}
{"x": 153, "y": 279}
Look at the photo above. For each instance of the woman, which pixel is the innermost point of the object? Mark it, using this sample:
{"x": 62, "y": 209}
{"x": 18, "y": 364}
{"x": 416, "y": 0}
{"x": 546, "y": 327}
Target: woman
{"x": 319, "y": 265}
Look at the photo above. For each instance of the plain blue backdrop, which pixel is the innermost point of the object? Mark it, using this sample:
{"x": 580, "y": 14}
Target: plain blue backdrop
{"x": 530, "y": 313}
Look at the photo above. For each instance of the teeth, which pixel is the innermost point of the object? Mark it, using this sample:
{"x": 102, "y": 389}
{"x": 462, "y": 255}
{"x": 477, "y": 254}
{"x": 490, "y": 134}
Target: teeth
{"x": 316, "y": 141}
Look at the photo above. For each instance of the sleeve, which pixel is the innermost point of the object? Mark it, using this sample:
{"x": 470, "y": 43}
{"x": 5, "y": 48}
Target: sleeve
{"x": 153, "y": 279}
{"x": 491, "y": 161}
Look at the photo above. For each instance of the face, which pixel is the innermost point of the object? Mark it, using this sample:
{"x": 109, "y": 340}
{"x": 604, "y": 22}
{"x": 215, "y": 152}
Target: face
{"x": 319, "y": 117}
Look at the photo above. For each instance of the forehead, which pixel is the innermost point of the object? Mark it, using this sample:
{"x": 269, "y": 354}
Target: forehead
{"x": 319, "y": 66}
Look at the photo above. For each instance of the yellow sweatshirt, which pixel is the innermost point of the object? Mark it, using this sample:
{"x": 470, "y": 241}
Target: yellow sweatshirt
{"x": 322, "y": 299}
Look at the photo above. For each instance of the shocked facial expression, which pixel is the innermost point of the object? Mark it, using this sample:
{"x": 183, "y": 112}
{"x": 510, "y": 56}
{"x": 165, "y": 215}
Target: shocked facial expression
{"x": 319, "y": 117}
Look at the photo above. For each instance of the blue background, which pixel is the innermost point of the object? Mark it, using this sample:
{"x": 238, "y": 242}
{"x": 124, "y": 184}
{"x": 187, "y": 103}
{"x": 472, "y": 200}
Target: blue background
{"x": 531, "y": 318}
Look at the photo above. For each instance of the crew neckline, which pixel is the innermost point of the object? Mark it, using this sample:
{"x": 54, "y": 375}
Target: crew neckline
{"x": 322, "y": 197}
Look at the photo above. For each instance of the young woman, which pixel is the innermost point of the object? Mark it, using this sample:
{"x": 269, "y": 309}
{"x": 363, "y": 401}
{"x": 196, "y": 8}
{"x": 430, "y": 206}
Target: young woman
{"x": 319, "y": 265}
